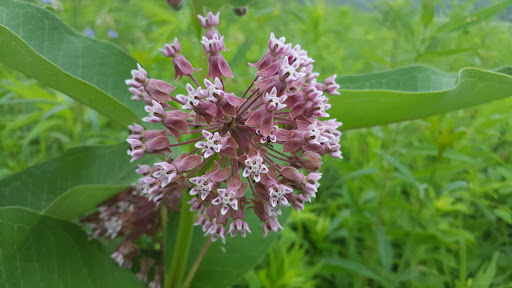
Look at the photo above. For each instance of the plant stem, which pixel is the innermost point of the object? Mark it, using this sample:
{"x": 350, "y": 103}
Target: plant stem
{"x": 174, "y": 277}
{"x": 196, "y": 264}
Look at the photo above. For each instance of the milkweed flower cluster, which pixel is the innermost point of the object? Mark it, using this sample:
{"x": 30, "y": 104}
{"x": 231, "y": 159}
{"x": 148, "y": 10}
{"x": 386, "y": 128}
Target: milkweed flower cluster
{"x": 257, "y": 140}
{"x": 259, "y": 149}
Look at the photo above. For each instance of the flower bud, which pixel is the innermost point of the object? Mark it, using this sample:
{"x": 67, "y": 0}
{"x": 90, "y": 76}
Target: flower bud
{"x": 175, "y": 4}
{"x": 240, "y": 11}
{"x": 311, "y": 161}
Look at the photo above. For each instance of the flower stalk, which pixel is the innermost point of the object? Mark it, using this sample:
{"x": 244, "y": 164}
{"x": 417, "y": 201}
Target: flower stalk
{"x": 174, "y": 277}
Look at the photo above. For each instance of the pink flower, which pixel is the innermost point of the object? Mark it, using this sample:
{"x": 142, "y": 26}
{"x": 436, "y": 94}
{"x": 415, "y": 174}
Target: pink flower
{"x": 167, "y": 173}
{"x": 217, "y": 65}
{"x": 274, "y": 134}
{"x": 215, "y": 93}
{"x": 238, "y": 226}
{"x": 330, "y": 86}
{"x": 277, "y": 193}
{"x": 276, "y": 49}
{"x": 140, "y": 77}
{"x": 254, "y": 166}
{"x": 157, "y": 89}
{"x": 228, "y": 197}
{"x": 315, "y": 133}
{"x": 182, "y": 66}
{"x": 156, "y": 112}
{"x": 204, "y": 184}
{"x": 212, "y": 144}
{"x": 191, "y": 100}
{"x": 264, "y": 117}
{"x": 210, "y": 22}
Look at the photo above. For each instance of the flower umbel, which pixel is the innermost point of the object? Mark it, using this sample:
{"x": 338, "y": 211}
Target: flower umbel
{"x": 258, "y": 150}
{"x": 282, "y": 106}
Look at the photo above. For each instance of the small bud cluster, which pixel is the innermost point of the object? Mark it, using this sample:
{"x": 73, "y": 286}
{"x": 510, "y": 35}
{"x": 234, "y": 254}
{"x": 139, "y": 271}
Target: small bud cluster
{"x": 260, "y": 150}
{"x": 129, "y": 215}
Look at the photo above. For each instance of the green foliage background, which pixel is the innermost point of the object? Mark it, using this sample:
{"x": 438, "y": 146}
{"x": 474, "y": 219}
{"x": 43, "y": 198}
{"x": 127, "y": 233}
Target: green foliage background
{"x": 424, "y": 203}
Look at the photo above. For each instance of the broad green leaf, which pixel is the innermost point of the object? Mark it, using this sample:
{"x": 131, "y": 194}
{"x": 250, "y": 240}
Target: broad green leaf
{"x": 223, "y": 265}
{"x": 414, "y": 92}
{"x": 38, "y": 186}
{"x": 79, "y": 200}
{"x": 36, "y": 43}
{"x": 40, "y": 251}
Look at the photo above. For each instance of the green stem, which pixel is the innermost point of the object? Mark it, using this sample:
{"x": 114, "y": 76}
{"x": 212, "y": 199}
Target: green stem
{"x": 174, "y": 277}
{"x": 193, "y": 270}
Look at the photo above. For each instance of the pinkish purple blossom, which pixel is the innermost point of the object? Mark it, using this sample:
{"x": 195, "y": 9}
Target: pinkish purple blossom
{"x": 228, "y": 197}
{"x": 182, "y": 66}
{"x": 253, "y": 165}
{"x": 210, "y": 23}
{"x": 238, "y": 226}
{"x": 217, "y": 65}
{"x": 257, "y": 151}
{"x": 284, "y": 105}
{"x": 213, "y": 143}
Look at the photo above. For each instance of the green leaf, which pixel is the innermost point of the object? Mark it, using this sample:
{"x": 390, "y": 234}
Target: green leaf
{"x": 38, "y": 186}
{"x": 469, "y": 20}
{"x": 485, "y": 275}
{"x": 40, "y": 251}
{"x": 79, "y": 200}
{"x": 414, "y": 92}
{"x": 36, "y": 43}
{"x": 427, "y": 12}
{"x": 385, "y": 249}
{"x": 340, "y": 264}
{"x": 504, "y": 215}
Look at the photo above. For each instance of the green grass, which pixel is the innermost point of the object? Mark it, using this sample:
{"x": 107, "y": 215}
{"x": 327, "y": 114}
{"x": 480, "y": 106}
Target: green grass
{"x": 424, "y": 203}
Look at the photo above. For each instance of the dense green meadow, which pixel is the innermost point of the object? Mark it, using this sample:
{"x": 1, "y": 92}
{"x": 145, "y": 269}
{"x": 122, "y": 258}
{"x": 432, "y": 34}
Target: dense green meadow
{"x": 422, "y": 203}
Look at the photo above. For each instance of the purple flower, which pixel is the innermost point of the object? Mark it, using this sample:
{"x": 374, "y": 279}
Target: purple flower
{"x": 213, "y": 143}
{"x": 238, "y": 226}
{"x": 254, "y": 166}
{"x": 205, "y": 184}
{"x": 89, "y": 32}
{"x": 277, "y": 48}
{"x": 210, "y": 22}
{"x": 330, "y": 86}
{"x": 157, "y": 89}
{"x": 258, "y": 152}
{"x": 217, "y": 65}
{"x": 156, "y": 112}
{"x": 228, "y": 197}
{"x": 182, "y": 66}
{"x": 112, "y": 34}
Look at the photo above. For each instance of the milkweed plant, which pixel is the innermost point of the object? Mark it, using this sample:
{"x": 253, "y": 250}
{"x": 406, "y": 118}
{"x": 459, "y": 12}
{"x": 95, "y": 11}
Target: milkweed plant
{"x": 260, "y": 149}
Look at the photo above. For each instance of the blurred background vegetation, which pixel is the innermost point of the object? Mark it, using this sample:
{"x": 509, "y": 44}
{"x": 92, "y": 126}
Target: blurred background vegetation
{"x": 424, "y": 203}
